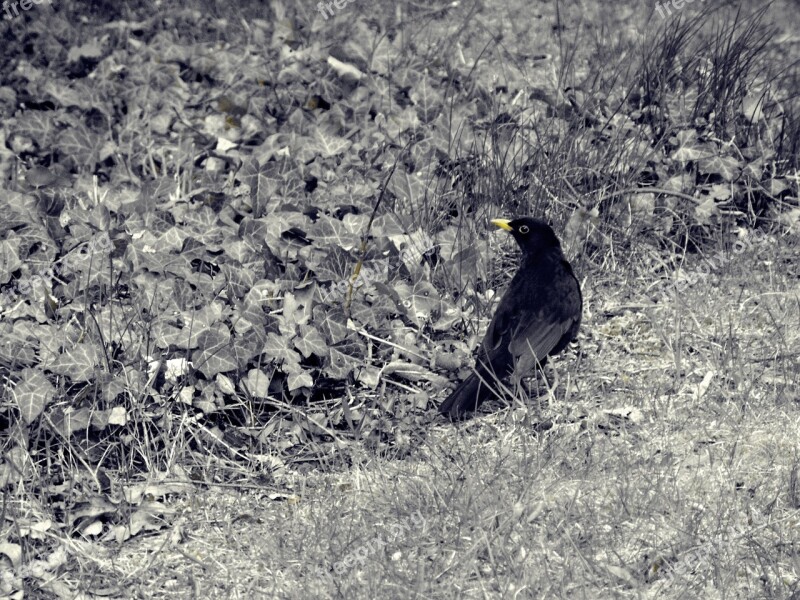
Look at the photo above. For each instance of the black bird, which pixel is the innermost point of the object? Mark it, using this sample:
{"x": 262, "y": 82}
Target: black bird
{"x": 538, "y": 316}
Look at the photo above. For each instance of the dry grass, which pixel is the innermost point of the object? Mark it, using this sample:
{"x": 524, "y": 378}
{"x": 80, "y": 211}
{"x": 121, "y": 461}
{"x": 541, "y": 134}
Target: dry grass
{"x": 652, "y": 483}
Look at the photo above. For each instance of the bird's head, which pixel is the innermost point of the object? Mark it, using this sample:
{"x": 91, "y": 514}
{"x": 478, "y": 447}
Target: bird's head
{"x": 532, "y": 235}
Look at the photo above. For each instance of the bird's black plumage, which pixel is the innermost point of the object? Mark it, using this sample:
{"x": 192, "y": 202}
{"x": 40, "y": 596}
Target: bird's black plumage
{"x": 538, "y": 316}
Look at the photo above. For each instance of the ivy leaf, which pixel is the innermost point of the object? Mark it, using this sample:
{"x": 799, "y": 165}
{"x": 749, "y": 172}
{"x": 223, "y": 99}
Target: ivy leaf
{"x": 428, "y": 100}
{"x": 333, "y": 232}
{"x": 688, "y": 146}
{"x": 78, "y": 362}
{"x": 296, "y": 310}
{"x": 336, "y": 266}
{"x": 705, "y": 209}
{"x": 327, "y": 144}
{"x": 83, "y": 147}
{"x": 310, "y": 341}
{"x": 9, "y": 258}
{"x": 344, "y": 358}
{"x": 70, "y": 420}
{"x": 363, "y": 313}
{"x": 332, "y": 323}
{"x": 32, "y": 394}
{"x": 215, "y": 353}
{"x": 421, "y": 301}
{"x": 277, "y": 348}
{"x": 726, "y": 167}
{"x": 410, "y": 188}
{"x": 256, "y": 382}
{"x": 301, "y": 379}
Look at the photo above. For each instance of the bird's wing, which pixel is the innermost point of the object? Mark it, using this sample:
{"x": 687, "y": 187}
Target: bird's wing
{"x": 531, "y": 321}
{"x": 536, "y": 338}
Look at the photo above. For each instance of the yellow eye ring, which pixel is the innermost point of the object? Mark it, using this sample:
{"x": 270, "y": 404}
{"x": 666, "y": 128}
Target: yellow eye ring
{"x": 524, "y": 229}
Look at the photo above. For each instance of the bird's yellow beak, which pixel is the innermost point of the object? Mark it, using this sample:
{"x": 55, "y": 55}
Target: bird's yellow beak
{"x": 502, "y": 224}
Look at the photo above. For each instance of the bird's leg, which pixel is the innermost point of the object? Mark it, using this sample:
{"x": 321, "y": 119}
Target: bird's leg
{"x": 551, "y": 381}
{"x": 553, "y": 377}
{"x": 532, "y": 395}
{"x": 526, "y": 389}
{"x": 519, "y": 389}
{"x": 542, "y": 378}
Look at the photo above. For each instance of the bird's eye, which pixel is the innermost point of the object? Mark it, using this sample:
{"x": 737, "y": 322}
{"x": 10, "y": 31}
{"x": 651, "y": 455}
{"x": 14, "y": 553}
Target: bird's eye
{"x": 524, "y": 229}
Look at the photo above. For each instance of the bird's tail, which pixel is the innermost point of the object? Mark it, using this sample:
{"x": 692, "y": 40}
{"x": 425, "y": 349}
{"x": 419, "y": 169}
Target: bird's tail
{"x": 467, "y": 397}
{"x": 463, "y": 399}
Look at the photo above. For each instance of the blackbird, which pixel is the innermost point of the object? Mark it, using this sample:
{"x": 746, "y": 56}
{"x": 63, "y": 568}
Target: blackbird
{"x": 538, "y": 316}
